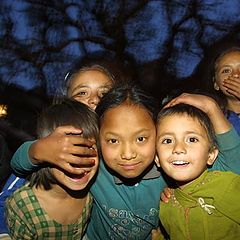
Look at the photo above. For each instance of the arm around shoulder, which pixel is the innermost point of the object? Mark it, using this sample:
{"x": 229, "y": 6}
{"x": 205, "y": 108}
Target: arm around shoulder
{"x": 229, "y": 152}
{"x": 21, "y": 162}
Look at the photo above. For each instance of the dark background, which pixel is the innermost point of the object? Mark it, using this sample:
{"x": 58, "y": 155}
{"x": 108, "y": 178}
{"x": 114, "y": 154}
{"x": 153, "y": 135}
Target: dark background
{"x": 169, "y": 43}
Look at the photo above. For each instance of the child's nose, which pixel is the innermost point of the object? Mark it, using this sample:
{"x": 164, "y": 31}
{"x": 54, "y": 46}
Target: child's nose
{"x": 179, "y": 148}
{"x": 236, "y": 73}
{"x": 93, "y": 101}
{"x": 128, "y": 152}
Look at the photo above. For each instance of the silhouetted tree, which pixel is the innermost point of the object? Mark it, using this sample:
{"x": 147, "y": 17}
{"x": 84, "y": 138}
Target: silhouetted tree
{"x": 43, "y": 37}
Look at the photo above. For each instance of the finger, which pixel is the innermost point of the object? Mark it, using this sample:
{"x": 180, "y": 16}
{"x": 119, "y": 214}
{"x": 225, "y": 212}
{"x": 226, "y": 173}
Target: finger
{"x": 68, "y": 130}
{"x": 164, "y": 198}
{"x": 78, "y": 140}
{"x": 76, "y": 159}
{"x": 83, "y": 151}
{"x": 234, "y": 93}
{"x": 77, "y": 168}
{"x": 231, "y": 85}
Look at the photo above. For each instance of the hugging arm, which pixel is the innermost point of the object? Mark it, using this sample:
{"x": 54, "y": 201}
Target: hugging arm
{"x": 64, "y": 147}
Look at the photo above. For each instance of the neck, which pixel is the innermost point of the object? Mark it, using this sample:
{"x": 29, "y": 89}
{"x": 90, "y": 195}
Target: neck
{"x": 234, "y": 105}
{"x": 61, "y": 192}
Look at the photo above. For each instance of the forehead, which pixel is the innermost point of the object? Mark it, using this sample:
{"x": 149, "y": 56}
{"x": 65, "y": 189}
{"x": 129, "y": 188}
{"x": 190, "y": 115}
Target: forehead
{"x": 90, "y": 78}
{"x": 228, "y": 58}
{"x": 127, "y": 115}
{"x": 179, "y": 121}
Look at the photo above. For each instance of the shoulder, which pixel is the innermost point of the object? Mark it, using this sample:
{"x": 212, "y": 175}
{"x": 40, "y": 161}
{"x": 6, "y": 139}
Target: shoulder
{"x": 21, "y": 197}
{"x": 224, "y": 181}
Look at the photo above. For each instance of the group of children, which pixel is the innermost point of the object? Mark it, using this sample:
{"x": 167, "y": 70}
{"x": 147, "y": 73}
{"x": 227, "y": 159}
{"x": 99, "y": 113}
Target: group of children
{"x": 188, "y": 145}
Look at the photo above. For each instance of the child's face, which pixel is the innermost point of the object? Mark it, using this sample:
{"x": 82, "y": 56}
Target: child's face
{"x": 183, "y": 147}
{"x": 228, "y": 67}
{"x": 89, "y": 87}
{"x": 76, "y": 182}
{"x": 127, "y": 137}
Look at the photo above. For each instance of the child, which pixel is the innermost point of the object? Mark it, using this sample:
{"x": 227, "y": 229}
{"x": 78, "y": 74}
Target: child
{"x": 127, "y": 116}
{"x": 227, "y": 83}
{"x": 204, "y": 204}
{"x": 55, "y": 204}
{"x": 87, "y": 82}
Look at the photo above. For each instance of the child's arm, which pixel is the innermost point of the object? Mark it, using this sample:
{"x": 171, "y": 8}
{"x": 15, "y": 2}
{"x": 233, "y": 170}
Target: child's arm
{"x": 63, "y": 147}
{"x": 209, "y": 106}
{"x": 228, "y": 140}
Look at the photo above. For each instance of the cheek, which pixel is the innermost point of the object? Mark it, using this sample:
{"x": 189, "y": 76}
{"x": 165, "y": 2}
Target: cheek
{"x": 220, "y": 78}
{"x": 162, "y": 151}
{"x": 148, "y": 151}
{"x": 108, "y": 152}
{"x": 84, "y": 101}
{"x": 57, "y": 174}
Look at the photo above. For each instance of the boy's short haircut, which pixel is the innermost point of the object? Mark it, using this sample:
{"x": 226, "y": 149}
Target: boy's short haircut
{"x": 196, "y": 114}
{"x": 66, "y": 112}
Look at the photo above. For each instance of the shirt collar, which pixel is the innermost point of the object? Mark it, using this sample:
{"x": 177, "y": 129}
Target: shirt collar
{"x": 153, "y": 173}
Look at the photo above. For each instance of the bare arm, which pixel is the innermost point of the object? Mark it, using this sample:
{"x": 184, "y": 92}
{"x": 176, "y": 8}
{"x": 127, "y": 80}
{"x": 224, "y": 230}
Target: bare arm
{"x": 208, "y": 105}
{"x": 64, "y": 147}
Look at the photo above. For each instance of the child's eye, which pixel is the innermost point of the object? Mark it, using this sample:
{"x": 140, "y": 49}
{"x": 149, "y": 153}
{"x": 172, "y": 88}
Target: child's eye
{"x": 141, "y": 139}
{"x": 167, "y": 141}
{"x": 193, "y": 139}
{"x": 103, "y": 92}
{"x": 112, "y": 141}
{"x": 226, "y": 71}
{"x": 81, "y": 94}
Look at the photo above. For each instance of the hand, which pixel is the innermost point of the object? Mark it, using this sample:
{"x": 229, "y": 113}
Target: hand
{"x": 156, "y": 234}
{"x": 166, "y": 194}
{"x": 207, "y": 105}
{"x": 203, "y": 102}
{"x": 65, "y": 148}
{"x": 232, "y": 86}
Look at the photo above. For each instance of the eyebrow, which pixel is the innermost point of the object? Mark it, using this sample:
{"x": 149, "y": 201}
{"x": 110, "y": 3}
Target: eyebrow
{"x": 187, "y": 132}
{"x": 137, "y": 132}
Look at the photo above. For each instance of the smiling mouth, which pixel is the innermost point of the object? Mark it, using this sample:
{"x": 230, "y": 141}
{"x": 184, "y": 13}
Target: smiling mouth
{"x": 77, "y": 177}
{"x": 131, "y": 166}
{"x": 180, "y": 163}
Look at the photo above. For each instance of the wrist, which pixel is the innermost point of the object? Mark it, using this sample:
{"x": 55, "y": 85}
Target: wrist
{"x": 33, "y": 152}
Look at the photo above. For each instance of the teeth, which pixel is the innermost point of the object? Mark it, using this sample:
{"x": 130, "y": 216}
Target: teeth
{"x": 78, "y": 176}
{"x": 179, "y": 162}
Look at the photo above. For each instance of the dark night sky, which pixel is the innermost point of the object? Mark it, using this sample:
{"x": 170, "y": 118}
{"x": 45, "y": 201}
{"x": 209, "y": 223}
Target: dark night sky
{"x": 221, "y": 12}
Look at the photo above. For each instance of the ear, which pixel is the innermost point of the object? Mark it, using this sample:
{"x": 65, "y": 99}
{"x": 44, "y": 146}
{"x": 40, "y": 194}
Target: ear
{"x": 212, "y": 156}
{"x": 156, "y": 159}
{"x": 216, "y": 87}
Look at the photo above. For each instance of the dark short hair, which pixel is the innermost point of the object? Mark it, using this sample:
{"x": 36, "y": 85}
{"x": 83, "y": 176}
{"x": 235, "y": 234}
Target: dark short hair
{"x": 66, "y": 112}
{"x": 222, "y": 54}
{"x": 133, "y": 94}
{"x": 195, "y": 113}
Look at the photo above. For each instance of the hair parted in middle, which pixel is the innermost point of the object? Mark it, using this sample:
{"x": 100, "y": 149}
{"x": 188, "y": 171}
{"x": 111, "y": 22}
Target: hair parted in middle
{"x": 131, "y": 93}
